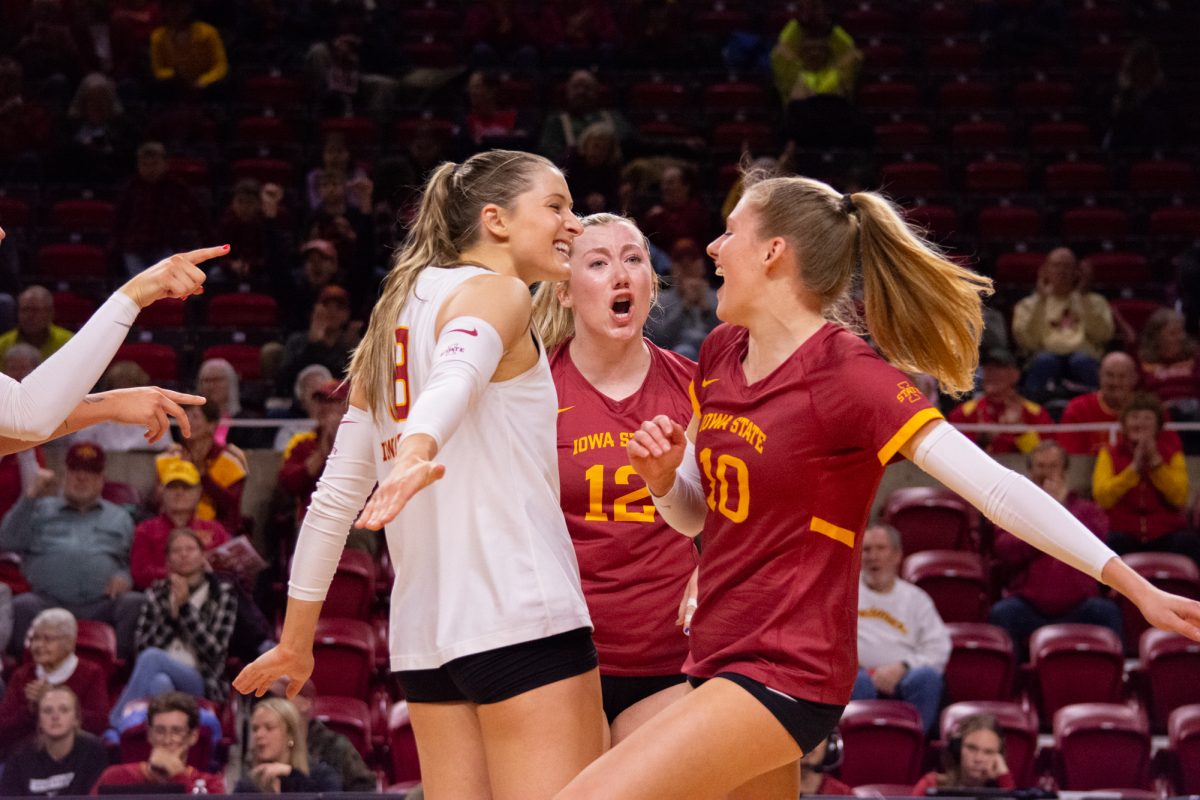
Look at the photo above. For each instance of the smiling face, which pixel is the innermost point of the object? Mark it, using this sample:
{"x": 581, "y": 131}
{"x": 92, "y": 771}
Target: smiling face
{"x": 611, "y": 288}
{"x": 737, "y": 253}
{"x": 541, "y": 228}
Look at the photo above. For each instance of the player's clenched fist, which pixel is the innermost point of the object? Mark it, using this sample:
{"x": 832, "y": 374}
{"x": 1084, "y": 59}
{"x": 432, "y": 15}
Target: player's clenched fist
{"x": 656, "y": 451}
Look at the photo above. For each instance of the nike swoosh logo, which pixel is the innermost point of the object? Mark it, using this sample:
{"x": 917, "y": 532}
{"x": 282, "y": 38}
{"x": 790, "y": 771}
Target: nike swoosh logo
{"x": 568, "y": 408}
{"x": 472, "y": 332}
{"x": 707, "y": 381}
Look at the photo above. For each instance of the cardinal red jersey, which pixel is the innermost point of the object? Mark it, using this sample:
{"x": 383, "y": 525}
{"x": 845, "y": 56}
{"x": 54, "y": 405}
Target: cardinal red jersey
{"x": 791, "y": 464}
{"x": 634, "y": 567}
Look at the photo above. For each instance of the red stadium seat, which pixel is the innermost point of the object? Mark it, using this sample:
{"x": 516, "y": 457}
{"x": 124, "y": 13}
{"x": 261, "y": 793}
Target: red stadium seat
{"x": 243, "y": 310}
{"x": 954, "y": 55}
{"x": 1101, "y": 60}
{"x": 1171, "y": 664}
{"x": 1177, "y": 223}
{"x": 1059, "y": 136}
{"x": 160, "y": 361}
{"x": 1099, "y": 18}
{"x": 996, "y": 176}
{"x": 939, "y": 221}
{"x": 756, "y": 136}
{"x": 1018, "y": 269}
{"x": 407, "y": 129}
{"x": 166, "y": 313}
{"x": 966, "y": 95}
{"x": 1075, "y": 664}
{"x": 1110, "y": 224}
{"x": 72, "y": 310}
{"x": 344, "y": 655}
{"x": 96, "y": 642}
{"x": 657, "y": 95}
{"x": 931, "y": 519}
{"x": 944, "y": 18}
{"x": 1183, "y": 734}
{"x": 264, "y": 132}
{"x": 1008, "y": 223}
{"x": 954, "y": 579}
{"x": 883, "y": 742}
{"x": 353, "y": 586}
{"x": 83, "y": 215}
{"x": 358, "y": 131}
{"x": 272, "y": 91}
{"x": 14, "y": 213}
{"x": 1100, "y": 745}
{"x": 1162, "y": 177}
{"x": 402, "y": 745}
{"x": 348, "y": 716}
{"x": 867, "y": 19}
{"x": 1077, "y": 177}
{"x": 1020, "y": 728}
{"x": 1135, "y": 311}
{"x": 1120, "y": 270}
{"x": 191, "y": 171}
{"x": 903, "y": 135}
{"x": 980, "y": 135}
{"x": 10, "y": 573}
{"x": 1054, "y": 95}
{"x": 883, "y": 55}
{"x": 245, "y": 358}
{"x": 912, "y": 179}
{"x": 888, "y": 96}
{"x": 1170, "y": 572}
{"x": 64, "y": 261}
{"x": 981, "y": 665}
{"x": 264, "y": 170}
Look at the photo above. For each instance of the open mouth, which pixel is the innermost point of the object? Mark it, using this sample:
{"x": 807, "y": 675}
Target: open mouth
{"x": 563, "y": 248}
{"x": 621, "y": 307}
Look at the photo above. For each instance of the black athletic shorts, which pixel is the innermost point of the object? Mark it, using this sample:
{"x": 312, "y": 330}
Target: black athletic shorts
{"x": 495, "y": 675}
{"x": 623, "y": 691}
{"x": 808, "y": 723}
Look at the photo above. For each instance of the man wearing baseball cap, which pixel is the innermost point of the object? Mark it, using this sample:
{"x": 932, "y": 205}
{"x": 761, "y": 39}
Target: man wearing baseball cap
{"x": 330, "y": 338}
{"x": 179, "y": 483}
{"x": 74, "y": 549}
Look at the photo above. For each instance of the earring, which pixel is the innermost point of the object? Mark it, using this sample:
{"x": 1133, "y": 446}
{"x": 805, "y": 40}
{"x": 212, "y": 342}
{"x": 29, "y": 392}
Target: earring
{"x": 291, "y": 742}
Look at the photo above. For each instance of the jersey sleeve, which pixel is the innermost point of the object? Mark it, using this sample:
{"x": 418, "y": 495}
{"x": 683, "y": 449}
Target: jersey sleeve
{"x": 881, "y": 404}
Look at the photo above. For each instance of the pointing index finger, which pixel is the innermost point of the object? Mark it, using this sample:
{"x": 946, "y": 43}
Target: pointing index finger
{"x": 205, "y": 253}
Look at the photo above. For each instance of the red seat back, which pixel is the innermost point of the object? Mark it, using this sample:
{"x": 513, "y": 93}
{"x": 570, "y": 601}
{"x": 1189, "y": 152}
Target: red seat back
{"x": 344, "y": 655}
{"x": 981, "y": 663}
{"x": 930, "y": 519}
{"x": 348, "y": 716}
{"x": 1171, "y": 572}
{"x": 159, "y": 360}
{"x": 403, "y": 745}
{"x": 884, "y": 742}
{"x": 1171, "y": 664}
{"x": 1101, "y": 745}
{"x": 1076, "y": 664}
{"x": 245, "y": 358}
{"x": 1183, "y": 734}
{"x": 353, "y": 587}
{"x": 96, "y": 641}
{"x": 954, "y": 579}
{"x": 243, "y": 310}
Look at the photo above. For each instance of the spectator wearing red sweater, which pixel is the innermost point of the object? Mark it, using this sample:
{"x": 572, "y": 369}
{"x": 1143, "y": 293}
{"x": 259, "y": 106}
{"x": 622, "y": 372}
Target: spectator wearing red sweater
{"x": 1118, "y": 379}
{"x": 305, "y": 455}
{"x": 53, "y": 663}
{"x": 1039, "y": 589}
{"x": 155, "y": 213}
{"x": 974, "y": 759}
{"x": 1142, "y": 482}
{"x": 1000, "y": 404}
{"x": 181, "y": 493}
{"x": 1170, "y": 365}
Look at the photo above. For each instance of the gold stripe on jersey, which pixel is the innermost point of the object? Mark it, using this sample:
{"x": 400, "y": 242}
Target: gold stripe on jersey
{"x": 834, "y": 532}
{"x": 695, "y": 400}
{"x": 906, "y": 432}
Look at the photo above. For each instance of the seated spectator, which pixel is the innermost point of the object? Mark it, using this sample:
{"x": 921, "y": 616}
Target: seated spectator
{"x": 352, "y": 71}
{"x": 1170, "y": 366}
{"x": 156, "y": 212}
{"x": 973, "y": 759}
{"x": 35, "y": 324}
{"x": 486, "y": 124}
{"x": 1062, "y": 327}
{"x": 561, "y": 130}
{"x": 1118, "y": 379}
{"x": 687, "y": 309}
{"x": 130, "y": 25}
{"x": 326, "y": 746}
{"x": 903, "y": 645}
{"x": 81, "y": 529}
{"x": 279, "y": 761}
{"x": 61, "y": 758}
{"x": 98, "y": 141}
{"x": 335, "y": 160}
{"x": 222, "y": 468}
{"x": 500, "y": 33}
{"x": 184, "y": 629}
{"x": 1142, "y": 482}
{"x": 579, "y": 33}
{"x": 594, "y": 169}
{"x": 120, "y": 437}
{"x": 181, "y": 493}
{"x": 305, "y": 455}
{"x": 52, "y": 662}
{"x": 796, "y": 53}
{"x": 1143, "y": 108}
{"x": 1000, "y": 404}
{"x": 304, "y": 403}
{"x": 185, "y": 54}
{"x": 1039, "y": 589}
{"x": 320, "y": 268}
{"x": 815, "y": 769}
{"x": 329, "y": 341}
{"x": 338, "y": 220}
{"x": 25, "y": 125}
{"x": 173, "y": 727}
{"x": 20, "y": 360}
{"x": 218, "y": 381}
{"x": 679, "y": 214}
{"x": 255, "y": 226}
{"x": 50, "y": 50}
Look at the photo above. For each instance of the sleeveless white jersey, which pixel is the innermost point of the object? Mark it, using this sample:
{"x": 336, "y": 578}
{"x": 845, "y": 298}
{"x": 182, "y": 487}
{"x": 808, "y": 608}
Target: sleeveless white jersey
{"x": 482, "y": 557}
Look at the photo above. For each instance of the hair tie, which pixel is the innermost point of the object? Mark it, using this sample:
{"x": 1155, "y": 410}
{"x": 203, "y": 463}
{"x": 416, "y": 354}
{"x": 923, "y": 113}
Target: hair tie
{"x": 848, "y": 204}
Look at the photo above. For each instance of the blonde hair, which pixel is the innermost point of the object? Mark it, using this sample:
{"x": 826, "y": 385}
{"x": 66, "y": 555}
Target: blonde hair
{"x": 297, "y": 730}
{"x": 555, "y": 322}
{"x": 447, "y": 223}
{"x": 923, "y": 311}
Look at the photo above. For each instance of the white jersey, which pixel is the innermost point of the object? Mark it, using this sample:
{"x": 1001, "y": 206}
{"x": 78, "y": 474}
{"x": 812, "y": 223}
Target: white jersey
{"x": 482, "y": 557}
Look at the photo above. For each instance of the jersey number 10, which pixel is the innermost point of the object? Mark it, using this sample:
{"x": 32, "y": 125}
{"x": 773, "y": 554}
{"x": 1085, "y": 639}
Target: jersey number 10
{"x": 400, "y": 377}
{"x": 719, "y": 489}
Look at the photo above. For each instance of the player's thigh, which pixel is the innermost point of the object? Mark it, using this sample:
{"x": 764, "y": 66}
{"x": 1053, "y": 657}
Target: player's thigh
{"x": 537, "y": 741}
{"x": 706, "y": 744}
{"x": 450, "y": 747}
{"x": 778, "y": 784}
{"x": 640, "y": 712}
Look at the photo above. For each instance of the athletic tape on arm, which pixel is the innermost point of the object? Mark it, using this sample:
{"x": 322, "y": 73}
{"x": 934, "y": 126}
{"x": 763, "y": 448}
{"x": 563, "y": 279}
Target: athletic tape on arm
{"x": 464, "y": 359}
{"x": 341, "y": 493}
{"x": 684, "y": 506}
{"x": 1010, "y": 500}
{"x": 33, "y": 409}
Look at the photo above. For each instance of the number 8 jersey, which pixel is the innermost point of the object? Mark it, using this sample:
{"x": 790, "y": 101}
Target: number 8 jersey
{"x": 790, "y": 465}
{"x": 482, "y": 557}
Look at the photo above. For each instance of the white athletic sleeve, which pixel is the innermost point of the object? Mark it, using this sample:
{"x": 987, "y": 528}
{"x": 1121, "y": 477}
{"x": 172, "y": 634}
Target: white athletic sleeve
{"x": 466, "y": 355}
{"x": 33, "y": 409}
{"x": 684, "y": 506}
{"x": 1010, "y": 500}
{"x": 341, "y": 493}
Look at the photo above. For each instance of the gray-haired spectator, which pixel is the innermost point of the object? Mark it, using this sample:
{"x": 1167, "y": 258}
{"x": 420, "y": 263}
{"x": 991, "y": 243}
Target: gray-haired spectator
{"x": 20, "y": 360}
{"x": 304, "y": 403}
{"x": 218, "y": 381}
